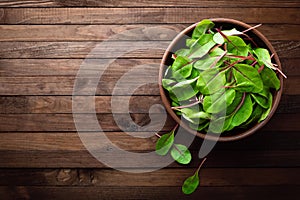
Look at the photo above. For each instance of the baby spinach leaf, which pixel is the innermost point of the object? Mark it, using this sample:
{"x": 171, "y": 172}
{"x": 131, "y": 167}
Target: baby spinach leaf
{"x": 268, "y": 110}
{"x": 270, "y": 78}
{"x": 184, "y": 89}
{"x": 202, "y": 47}
{"x": 263, "y": 57}
{"x": 181, "y": 154}
{"x": 202, "y": 27}
{"x": 237, "y": 46}
{"x": 194, "y": 115}
{"x": 190, "y": 184}
{"x": 219, "y": 39}
{"x": 164, "y": 143}
{"x": 219, "y": 101}
{"x": 179, "y": 62}
{"x": 262, "y": 101}
{"x": 243, "y": 113}
{"x": 210, "y": 81}
{"x": 247, "y": 78}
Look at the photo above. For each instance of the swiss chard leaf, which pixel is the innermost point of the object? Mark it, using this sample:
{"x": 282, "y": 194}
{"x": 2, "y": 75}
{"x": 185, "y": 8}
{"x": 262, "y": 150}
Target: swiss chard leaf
{"x": 164, "y": 143}
{"x": 268, "y": 110}
{"x": 247, "y": 78}
{"x": 270, "y": 78}
{"x": 181, "y": 154}
{"x": 262, "y": 101}
{"x": 211, "y": 81}
{"x": 219, "y": 39}
{"x": 184, "y": 90}
{"x": 219, "y": 101}
{"x": 202, "y": 27}
{"x": 179, "y": 62}
{"x": 263, "y": 57}
{"x": 194, "y": 115}
{"x": 202, "y": 47}
{"x": 243, "y": 113}
{"x": 237, "y": 46}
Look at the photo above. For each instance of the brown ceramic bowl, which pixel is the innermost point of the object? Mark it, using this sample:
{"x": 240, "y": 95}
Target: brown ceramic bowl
{"x": 179, "y": 42}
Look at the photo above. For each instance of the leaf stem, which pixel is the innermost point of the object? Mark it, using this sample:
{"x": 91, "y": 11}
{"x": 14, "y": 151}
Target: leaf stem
{"x": 187, "y": 106}
{"x": 204, "y": 159}
{"x": 157, "y": 135}
{"x": 218, "y": 59}
{"x": 253, "y": 27}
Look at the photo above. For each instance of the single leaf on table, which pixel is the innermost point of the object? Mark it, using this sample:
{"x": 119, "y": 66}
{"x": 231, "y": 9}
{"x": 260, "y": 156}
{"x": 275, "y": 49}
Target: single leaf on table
{"x": 270, "y": 78}
{"x": 219, "y": 101}
{"x": 211, "y": 81}
{"x": 243, "y": 113}
{"x": 184, "y": 90}
{"x": 164, "y": 143}
{"x": 268, "y": 110}
{"x": 237, "y": 46}
{"x": 202, "y": 27}
{"x": 181, "y": 154}
{"x": 247, "y": 78}
{"x": 191, "y": 184}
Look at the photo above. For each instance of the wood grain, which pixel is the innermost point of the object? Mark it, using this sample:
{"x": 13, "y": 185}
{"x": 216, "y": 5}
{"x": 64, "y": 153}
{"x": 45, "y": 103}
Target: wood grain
{"x": 148, "y": 3}
{"x": 143, "y": 49}
{"x": 83, "y": 159}
{"x": 61, "y": 85}
{"x": 70, "y": 141}
{"x": 65, "y": 122}
{"x": 144, "y": 15}
{"x": 137, "y": 104}
{"x": 162, "y": 178}
{"x": 124, "y": 32}
{"x": 224, "y": 193}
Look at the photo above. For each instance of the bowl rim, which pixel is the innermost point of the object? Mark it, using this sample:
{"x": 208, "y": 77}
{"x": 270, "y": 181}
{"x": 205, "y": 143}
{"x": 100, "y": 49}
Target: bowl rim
{"x": 276, "y": 97}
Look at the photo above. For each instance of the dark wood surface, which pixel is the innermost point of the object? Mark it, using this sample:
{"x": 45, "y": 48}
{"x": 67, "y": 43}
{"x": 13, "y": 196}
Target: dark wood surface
{"x": 44, "y": 42}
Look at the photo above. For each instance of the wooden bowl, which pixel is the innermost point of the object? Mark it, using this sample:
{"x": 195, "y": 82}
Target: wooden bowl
{"x": 179, "y": 42}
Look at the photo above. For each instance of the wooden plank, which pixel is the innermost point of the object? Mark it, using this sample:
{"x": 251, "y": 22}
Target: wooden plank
{"x": 70, "y": 141}
{"x": 224, "y": 193}
{"x": 65, "y": 122}
{"x": 52, "y": 33}
{"x": 70, "y": 67}
{"x": 144, "y": 49}
{"x": 137, "y": 104}
{"x": 144, "y": 15}
{"x": 163, "y": 178}
{"x": 83, "y": 159}
{"x": 147, "y": 3}
{"x": 62, "y": 85}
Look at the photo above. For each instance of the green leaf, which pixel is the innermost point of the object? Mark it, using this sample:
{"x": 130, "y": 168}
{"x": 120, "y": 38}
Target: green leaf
{"x": 184, "y": 90}
{"x": 262, "y": 101}
{"x": 256, "y": 114}
{"x": 263, "y": 57}
{"x": 267, "y": 111}
{"x": 237, "y": 46}
{"x": 182, "y": 52}
{"x": 219, "y": 101}
{"x": 220, "y": 124}
{"x": 237, "y": 100}
{"x": 270, "y": 78}
{"x": 247, "y": 78}
{"x": 205, "y": 62}
{"x": 243, "y": 113}
{"x": 183, "y": 72}
{"x": 190, "y": 184}
{"x": 219, "y": 39}
{"x": 164, "y": 143}
{"x": 194, "y": 116}
{"x": 179, "y": 62}
{"x": 211, "y": 81}
{"x": 199, "y": 127}
{"x": 202, "y": 27}
{"x": 202, "y": 47}
{"x": 181, "y": 154}
{"x": 168, "y": 83}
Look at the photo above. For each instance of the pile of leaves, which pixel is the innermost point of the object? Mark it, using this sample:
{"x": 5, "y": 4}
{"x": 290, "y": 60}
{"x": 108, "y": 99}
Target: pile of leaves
{"x": 217, "y": 77}
{"x": 217, "y": 73}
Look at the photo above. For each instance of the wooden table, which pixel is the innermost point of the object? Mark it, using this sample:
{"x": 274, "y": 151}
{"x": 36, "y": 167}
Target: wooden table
{"x": 43, "y": 44}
